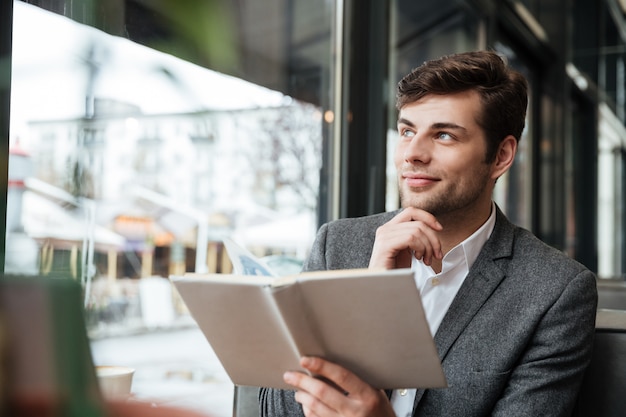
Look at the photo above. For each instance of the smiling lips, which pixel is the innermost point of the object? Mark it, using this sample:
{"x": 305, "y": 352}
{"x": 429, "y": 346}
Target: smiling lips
{"x": 415, "y": 180}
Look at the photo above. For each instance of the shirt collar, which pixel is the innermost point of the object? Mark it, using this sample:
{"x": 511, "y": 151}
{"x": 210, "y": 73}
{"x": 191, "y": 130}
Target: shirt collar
{"x": 467, "y": 251}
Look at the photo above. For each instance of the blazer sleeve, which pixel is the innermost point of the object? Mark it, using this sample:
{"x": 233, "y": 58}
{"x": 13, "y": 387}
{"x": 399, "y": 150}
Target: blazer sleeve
{"x": 345, "y": 243}
{"x": 274, "y": 402}
{"x": 316, "y": 261}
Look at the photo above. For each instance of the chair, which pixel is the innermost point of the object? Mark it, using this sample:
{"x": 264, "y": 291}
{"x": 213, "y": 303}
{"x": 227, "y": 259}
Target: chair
{"x": 246, "y": 401}
{"x": 603, "y": 392}
{"x": 45, "y": 339}
{"x": 611, "y": 293}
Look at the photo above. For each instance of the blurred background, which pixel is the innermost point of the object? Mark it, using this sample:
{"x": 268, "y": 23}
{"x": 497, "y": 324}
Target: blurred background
{"x": 141, "y": 133}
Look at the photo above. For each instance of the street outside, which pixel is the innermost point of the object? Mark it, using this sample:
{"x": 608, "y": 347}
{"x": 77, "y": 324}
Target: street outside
{"x": 173, "y": 367}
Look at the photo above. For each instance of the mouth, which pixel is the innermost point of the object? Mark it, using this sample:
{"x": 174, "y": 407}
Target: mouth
{"x": 417, "y": 180}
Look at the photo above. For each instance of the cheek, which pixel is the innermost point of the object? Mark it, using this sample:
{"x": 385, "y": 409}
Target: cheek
{"x": 461, "y": 162}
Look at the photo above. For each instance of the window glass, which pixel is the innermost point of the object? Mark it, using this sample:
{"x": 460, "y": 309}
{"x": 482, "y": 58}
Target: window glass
{"x": 611, "y": 134}
{"x": 139, "y": 142}
{"x": 513, "y": 191}
{"x": 415, "y": 18}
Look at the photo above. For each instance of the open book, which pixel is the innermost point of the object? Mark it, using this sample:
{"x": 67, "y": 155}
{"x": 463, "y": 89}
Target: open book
{"x": 371, "y": 322}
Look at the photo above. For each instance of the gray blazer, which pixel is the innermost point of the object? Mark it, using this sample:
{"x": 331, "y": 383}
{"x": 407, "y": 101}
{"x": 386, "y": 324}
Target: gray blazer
{"x": 516, "y": 339}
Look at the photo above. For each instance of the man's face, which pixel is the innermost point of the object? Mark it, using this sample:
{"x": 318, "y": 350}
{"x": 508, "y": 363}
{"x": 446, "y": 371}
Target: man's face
{"x": 440, "y": 157}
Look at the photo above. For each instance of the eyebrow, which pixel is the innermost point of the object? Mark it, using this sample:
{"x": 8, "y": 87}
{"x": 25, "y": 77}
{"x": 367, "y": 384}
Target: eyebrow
{"x": 434, "y": 126}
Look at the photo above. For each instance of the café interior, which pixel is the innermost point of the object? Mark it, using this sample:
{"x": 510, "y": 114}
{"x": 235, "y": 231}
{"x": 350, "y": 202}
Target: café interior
{"x": 140, "y": 135}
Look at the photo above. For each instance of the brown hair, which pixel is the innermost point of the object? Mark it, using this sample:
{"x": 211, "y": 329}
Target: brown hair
{"x": 503, "y": 91}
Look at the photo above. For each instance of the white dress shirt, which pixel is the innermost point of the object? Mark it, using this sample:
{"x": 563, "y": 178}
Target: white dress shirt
{"x": 438, "y": 291}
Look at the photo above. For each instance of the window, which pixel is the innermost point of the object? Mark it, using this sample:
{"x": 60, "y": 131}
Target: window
{"x": 141, "y": 136}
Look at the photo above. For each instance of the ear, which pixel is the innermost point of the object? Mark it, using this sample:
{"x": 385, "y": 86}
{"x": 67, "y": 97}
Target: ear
{"x": 504, "y": 157}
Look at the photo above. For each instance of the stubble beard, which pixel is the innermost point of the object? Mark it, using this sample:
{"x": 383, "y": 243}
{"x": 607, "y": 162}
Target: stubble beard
{"x": 452, "y": 201}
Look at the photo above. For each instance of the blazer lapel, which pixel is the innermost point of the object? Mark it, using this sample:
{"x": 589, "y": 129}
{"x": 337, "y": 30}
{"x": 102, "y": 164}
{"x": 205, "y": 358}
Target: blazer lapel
{"x": 483, "y": 278}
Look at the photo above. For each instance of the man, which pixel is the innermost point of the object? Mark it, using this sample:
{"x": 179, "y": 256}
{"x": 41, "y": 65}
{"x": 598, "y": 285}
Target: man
{"x": 513, "y": 318}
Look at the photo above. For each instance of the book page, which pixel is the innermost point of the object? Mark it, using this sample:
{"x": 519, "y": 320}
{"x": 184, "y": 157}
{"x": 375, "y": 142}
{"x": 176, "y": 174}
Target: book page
{"x": 244, "y": 262}
{"x": 298, "y": 320}
{"x": 243, "y": 326}
{"x": 374, "y": 325}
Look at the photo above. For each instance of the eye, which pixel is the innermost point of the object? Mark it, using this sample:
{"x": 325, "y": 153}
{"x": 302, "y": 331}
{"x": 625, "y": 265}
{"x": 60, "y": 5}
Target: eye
{"x": 444, "y": 136}
{"x": 406, "y": 133}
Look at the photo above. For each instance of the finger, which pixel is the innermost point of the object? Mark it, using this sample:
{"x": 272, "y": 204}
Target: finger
{"x": 308, "y": 412}
{"x": 414, "y": 222}
{"x": 425, "y": 243}
{"x": 411, "y": 214}
{"x": 346, "y": 382}
{"x": 398, "y": 240}
{"x": 319, "y": 398}
{"x": 396, "y": 245}
{"x": 314, "y": 393}
{"x": 421, "y": 248}
{"x": 312, "y": 406}
{"x": 420, "y": 239}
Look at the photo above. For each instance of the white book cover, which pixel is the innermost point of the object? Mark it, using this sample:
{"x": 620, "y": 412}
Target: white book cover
{"x": 371, "y": 322}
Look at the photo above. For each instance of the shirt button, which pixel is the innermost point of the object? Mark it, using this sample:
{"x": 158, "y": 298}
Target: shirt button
{"x": 403, "y": 392}
{"x": 435, "y": 282}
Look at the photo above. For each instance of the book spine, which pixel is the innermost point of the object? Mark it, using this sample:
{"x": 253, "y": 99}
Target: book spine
{"x": 281, "y": 315}
{"x": 294, "y": 312}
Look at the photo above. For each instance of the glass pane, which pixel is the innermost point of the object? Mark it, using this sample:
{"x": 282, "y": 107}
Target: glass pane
{"x": 416, "y": 18}
{"x": 611, "y": 134}
{"x": 132, "y": 160}
{"x": 513, "y": 190}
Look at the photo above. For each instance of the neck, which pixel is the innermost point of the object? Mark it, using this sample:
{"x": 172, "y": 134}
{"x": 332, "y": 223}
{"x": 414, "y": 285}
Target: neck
{"x": 461, "y": 224}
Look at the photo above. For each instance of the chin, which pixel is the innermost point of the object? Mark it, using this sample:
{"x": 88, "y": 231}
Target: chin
{"x": 416, "y": 203}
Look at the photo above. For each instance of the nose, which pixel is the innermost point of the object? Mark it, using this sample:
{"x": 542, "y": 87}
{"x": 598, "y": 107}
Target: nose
{"x": 418, "y": 149}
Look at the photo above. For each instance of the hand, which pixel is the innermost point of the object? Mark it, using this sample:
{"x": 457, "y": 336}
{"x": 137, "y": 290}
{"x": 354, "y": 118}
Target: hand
{"x": 335, "y": 391}
{"x": 413, "y": 232}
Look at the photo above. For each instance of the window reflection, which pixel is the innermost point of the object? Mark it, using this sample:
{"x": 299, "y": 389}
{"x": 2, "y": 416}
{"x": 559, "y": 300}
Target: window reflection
{"x": 513, "y": 191}
{"x": 128, "y": 165}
